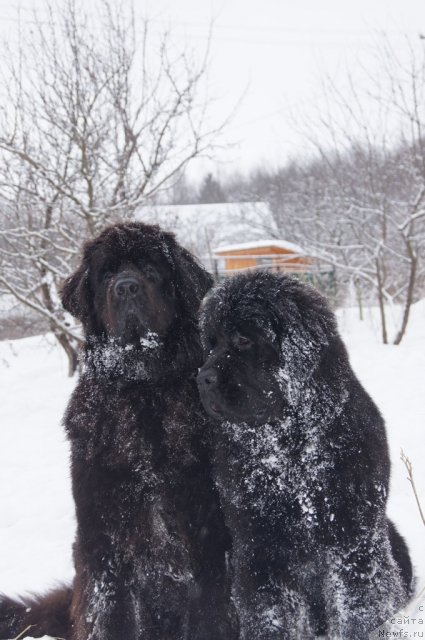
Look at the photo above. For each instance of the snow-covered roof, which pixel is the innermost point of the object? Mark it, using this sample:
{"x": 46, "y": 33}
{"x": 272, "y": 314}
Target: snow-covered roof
{"x": 260, "y": 244}
{"x": 201, "y": 227}
{"x": 206, "y": 229}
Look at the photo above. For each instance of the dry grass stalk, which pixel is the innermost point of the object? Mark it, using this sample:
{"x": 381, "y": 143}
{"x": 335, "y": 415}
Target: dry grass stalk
{"x": 21, "y": 635}
{"x": 411, "y": 479}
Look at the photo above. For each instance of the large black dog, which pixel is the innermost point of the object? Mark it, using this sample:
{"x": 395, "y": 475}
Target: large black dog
{"x": 150, "y": 552}
{"x": 302, "y": 465}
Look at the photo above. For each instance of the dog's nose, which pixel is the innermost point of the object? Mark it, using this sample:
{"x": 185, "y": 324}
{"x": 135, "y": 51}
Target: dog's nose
{"x": 207, "y": 378}
{"x": 126, "y": 287}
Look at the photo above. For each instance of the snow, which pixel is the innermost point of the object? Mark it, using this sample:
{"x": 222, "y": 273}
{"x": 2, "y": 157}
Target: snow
{"x": 260, "y": 244}
{"x": 36, "y": 510}
{"x": 7, "y": 303}
{"x": 130, "y": 362}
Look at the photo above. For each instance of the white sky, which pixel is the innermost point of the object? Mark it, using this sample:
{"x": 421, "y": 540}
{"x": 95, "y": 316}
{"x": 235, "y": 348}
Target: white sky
{"x": 274, "y": 52}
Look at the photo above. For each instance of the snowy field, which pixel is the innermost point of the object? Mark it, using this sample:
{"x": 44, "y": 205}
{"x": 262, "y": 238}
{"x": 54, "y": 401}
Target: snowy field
{"x": 36, "y": 509}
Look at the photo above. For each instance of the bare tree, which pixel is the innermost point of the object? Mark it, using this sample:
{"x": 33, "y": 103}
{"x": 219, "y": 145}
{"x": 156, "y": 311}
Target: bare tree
{"x": 372, "y": 144}
{"x": 99, "y": 113}
{"x": 183, "y": 191}
{"x": 210, "y": 191}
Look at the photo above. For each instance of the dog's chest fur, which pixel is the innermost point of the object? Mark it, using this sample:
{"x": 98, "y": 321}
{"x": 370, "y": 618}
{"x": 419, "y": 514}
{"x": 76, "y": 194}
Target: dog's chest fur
{"x": 278, "y": 473}
{"x": 138, "y": 449}
{"x": 138, "y": 426}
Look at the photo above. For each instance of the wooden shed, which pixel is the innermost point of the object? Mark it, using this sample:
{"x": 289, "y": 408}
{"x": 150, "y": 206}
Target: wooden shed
{"x": 273, "y": 255}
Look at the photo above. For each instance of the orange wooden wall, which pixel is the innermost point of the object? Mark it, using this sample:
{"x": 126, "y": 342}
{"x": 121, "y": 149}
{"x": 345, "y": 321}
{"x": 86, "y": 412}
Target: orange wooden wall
{"x": 281, "y": 259}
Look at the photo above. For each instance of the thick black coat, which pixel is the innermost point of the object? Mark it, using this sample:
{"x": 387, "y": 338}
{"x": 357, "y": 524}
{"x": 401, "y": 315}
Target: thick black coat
{"x": 151, "y": 542}
{"x": 302, "y": 464}
{"x": 150, "y": 551}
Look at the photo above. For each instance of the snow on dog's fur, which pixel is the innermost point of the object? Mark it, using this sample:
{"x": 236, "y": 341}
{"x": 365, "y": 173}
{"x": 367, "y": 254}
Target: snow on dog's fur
{"x": 301, "y": 461}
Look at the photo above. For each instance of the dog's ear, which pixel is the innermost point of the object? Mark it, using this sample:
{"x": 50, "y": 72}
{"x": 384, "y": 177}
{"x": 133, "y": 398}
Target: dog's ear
{"x": 307, "y": 327}
{"x": 192, "y": 281}
{"x": 301, "y": 308}
{"x": 75, "y": 293}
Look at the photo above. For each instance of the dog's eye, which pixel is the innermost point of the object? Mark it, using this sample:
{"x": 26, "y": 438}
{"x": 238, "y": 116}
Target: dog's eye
{"x": 241, "y": 342}
{"x": 150, "y": 272}
{"x": 106, "y": 275}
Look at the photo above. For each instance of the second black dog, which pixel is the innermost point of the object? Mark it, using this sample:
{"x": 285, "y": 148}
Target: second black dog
{"x": 302, "y": 465}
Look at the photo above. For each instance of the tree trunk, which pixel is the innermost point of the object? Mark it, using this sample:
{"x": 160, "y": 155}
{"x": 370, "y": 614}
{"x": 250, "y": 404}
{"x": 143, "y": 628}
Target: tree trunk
{"x": 71, "y": 352}
{"x": 359, "y": 300}
{"x": 381, "y": 305}
{"x": 409, "y": 299}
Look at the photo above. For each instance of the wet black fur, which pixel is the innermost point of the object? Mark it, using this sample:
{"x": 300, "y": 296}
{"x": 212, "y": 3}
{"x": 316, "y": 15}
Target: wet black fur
{"x": 40, "y": 615}
{"x": 150, "y": 552}
{"x": 301, "y": 461}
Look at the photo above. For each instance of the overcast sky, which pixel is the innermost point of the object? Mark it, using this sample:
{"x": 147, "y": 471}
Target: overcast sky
{"x": 275, "y": 53}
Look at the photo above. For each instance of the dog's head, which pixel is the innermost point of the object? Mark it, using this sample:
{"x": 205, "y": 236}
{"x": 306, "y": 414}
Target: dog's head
{"x": 264, "y": 336}
{"x": 134, "y": 282}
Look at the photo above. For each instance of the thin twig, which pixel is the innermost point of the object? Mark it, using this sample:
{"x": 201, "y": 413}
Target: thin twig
{"x": 411, "y": 479}
{"x": 21, "y": 635}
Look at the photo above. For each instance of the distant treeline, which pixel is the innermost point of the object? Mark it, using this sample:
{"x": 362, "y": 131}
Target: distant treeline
{"x": 361, "y": 210}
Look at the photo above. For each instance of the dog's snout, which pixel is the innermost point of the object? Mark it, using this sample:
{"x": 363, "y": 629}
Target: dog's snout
{"x": 126, "y": 287}
{"x": 207, "y": 378}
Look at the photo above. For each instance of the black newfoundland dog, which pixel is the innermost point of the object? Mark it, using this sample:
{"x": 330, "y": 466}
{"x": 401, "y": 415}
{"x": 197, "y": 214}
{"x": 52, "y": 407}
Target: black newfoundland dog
{"x": 150, "y": 552}
{"x": 302, "y": 465}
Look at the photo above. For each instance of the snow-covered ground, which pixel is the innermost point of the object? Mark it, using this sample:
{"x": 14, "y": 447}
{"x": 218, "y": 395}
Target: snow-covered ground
{"x": 36, "y": 509}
